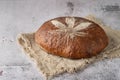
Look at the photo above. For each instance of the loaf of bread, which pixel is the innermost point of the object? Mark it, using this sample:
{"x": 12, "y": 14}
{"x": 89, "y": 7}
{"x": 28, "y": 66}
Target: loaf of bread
{"x": 71, "y": 37}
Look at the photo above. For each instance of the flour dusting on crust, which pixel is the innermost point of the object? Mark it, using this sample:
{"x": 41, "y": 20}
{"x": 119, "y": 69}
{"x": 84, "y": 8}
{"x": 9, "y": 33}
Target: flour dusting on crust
{"x": 70, "y": 29}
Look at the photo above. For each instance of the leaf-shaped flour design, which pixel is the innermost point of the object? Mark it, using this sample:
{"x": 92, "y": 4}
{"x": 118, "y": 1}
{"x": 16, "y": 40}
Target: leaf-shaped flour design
{"x": 82, "y": 26}
{"x": 58, "y": 24}
{"x": 80, "y": 33}
{"x": 70, "y": 22}
{"x": 70, "y": 29}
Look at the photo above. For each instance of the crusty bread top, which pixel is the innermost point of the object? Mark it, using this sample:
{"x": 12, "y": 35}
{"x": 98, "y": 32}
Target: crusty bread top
{"x": 71, "y": 37}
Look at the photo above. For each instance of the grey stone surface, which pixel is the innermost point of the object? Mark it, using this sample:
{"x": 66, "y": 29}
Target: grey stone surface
{"x": 20, "y": 16}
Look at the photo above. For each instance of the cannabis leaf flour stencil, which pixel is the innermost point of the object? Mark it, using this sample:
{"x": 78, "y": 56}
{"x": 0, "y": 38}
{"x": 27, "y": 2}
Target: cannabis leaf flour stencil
{"x": 70, "y": 29}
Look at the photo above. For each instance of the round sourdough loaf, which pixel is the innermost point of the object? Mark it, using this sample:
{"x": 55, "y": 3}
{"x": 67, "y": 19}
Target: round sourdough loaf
{"x": 71, "y": 37}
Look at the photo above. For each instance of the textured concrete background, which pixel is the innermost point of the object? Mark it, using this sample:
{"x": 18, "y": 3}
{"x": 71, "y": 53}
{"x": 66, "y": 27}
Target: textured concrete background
{"x": 19, "y": 16}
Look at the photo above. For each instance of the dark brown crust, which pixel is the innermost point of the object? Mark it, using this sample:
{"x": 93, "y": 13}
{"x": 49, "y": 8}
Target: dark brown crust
{"x": 79, "y": 47}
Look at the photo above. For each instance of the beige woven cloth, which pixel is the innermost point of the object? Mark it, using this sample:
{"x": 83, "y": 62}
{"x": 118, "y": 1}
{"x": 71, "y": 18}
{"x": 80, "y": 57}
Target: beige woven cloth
{"x": 51, "y": 65}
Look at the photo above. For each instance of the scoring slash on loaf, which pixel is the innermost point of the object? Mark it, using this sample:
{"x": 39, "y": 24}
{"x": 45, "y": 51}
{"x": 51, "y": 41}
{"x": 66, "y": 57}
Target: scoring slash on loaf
{"x": 71, "y": 37}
